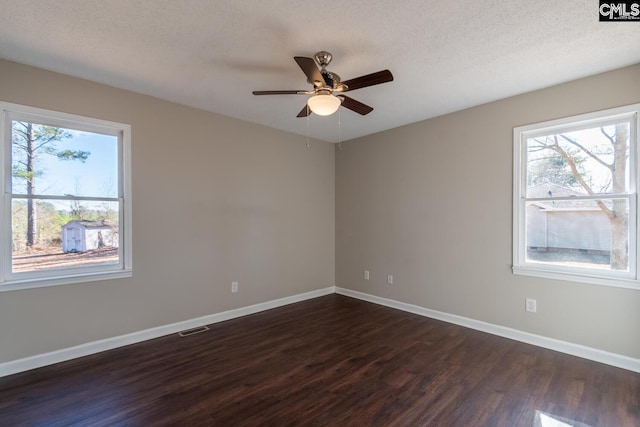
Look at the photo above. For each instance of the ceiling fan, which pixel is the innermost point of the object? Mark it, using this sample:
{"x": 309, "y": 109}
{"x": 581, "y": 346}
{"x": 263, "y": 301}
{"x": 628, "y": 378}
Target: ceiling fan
{"x": 324, "y": 101}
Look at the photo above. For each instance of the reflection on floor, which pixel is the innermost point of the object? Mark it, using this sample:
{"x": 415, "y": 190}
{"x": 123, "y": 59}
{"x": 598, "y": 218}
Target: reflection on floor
{"x": 543, "y": 419}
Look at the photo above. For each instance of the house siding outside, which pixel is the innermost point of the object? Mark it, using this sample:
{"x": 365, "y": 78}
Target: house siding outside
{"x": 568, "y": 229}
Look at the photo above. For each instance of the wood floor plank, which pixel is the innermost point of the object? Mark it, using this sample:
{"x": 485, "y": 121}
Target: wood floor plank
{"x": 328, "y": 361}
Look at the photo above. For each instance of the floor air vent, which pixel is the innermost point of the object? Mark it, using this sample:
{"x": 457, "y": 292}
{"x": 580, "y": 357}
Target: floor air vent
{"x": 193, "y": 331}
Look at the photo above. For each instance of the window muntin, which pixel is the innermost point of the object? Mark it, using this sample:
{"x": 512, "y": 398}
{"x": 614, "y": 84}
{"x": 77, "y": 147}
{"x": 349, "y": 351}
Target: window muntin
{"x": 67, "y": 198}
{"x": 575, "y": 198}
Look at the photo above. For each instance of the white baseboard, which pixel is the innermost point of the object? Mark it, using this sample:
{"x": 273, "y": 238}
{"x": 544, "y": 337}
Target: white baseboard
{"x": 578, "y": 350}
{"x": 37, "y": 361}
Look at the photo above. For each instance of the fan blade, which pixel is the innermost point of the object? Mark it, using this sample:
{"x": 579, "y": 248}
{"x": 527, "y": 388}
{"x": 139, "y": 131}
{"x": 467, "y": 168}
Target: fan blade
{"x": 311, "y": 70}
{"x": 306, "y": 111}
{"x": 279, "y": 92}
{"x": 354, "y": 105}
{"x": 372, "y": 79}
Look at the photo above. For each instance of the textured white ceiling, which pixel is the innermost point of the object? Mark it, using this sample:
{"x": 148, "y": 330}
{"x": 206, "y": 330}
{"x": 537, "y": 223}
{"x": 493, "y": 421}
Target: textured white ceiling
{"x": 445, "y": 55}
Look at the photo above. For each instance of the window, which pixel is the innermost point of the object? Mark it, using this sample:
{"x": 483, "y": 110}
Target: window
{"x": 67, "y": 208}
{"x": 575, "y": 198}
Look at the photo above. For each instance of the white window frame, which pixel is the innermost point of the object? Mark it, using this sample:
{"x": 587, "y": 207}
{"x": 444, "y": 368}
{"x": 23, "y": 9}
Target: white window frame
{"x": 627, "y": 279}
{"x": 10, "y": 281}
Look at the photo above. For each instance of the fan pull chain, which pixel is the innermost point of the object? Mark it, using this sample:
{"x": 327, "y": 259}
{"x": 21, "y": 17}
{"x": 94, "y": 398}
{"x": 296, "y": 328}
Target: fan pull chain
{"x": 339, "y": 132}
{"x": 308, "y": 114}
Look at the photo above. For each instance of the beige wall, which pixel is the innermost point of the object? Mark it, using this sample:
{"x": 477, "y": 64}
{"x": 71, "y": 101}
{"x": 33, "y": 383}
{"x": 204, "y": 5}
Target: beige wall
{"x": 215, "y": 200}
{"x": 431, "y": 203}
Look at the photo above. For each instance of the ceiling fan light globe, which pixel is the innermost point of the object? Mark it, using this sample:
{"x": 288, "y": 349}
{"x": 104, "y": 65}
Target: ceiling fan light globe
{"x": 323, "y": 105}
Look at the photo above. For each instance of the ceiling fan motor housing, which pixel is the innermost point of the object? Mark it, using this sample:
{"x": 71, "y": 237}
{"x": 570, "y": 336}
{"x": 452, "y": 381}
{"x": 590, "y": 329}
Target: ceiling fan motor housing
{"x": 331, "y": 79}
{"x": 323, "y": 58}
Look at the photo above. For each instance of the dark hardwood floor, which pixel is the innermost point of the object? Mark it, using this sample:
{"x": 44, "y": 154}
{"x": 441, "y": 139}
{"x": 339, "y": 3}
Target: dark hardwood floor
{"x": 331, "y": 361}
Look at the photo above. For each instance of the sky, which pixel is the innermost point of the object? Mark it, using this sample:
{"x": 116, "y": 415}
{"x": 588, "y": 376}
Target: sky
{"x": 95, "y": 177}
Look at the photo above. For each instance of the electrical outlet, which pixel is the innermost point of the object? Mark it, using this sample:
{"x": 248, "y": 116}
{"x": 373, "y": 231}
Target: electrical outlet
{"x": 366, "y": 275}
{"x": 531, "y": 305}
{"x": 390, "y": 279}
{"x": 234, "y": 287}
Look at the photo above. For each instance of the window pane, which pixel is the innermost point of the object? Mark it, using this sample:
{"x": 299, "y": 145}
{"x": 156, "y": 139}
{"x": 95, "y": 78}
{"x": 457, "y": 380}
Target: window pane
{"x": 63, "y": 234}
{"x": 48, "y": 160}
{"x": 581, "y": 162}
{"x": 580, "y": 233}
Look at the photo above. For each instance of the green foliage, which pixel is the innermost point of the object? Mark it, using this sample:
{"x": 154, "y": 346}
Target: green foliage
{"x": 22, "y": 131}
{"x": 49, "y": 134}
{"x": 73, "y": 155}
{"x": 81, "y": 212}
{"x": 29, "y": 141}
{"x": 18, "y": 171}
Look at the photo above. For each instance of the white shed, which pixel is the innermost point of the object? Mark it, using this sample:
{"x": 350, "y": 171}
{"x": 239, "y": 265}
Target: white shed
{"x": 82, "y": 235}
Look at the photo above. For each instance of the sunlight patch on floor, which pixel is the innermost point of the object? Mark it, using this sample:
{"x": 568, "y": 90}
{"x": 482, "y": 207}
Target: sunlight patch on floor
{"x": 543, "y": 419}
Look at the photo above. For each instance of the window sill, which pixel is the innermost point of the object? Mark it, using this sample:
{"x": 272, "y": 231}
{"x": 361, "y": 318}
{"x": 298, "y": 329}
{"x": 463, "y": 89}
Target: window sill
{"x": 617, "y": 282}
{"x": 16, "y": 285}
